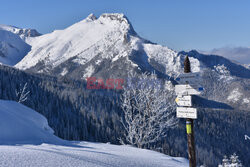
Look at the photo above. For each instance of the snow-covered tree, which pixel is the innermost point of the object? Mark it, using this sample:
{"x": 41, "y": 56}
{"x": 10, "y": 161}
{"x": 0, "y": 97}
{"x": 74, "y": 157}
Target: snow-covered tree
{"x": 22, "y": 94}
{"x": 148, "y": 110}
{"x": 232, "y": 162}
{"x": 225, "y": 162}
{"x": 235, "y": 162}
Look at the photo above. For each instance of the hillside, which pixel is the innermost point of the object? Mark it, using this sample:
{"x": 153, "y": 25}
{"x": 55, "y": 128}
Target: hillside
{"x": 22, "y": 125}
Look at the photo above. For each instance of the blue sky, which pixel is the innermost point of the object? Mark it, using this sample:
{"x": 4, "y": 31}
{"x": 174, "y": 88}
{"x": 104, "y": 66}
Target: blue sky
{"x": 178, "y": 24}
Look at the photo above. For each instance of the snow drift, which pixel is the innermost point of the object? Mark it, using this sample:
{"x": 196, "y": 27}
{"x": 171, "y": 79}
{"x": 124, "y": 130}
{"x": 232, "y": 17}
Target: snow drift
{"x": 22, "y": 125}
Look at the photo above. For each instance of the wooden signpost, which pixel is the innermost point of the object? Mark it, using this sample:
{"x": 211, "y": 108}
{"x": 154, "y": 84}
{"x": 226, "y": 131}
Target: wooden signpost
{"x": 188, "y": 78}
{"x": 184, "y": 101}
{"x": 187, "y": 89}
{"x": 186, "y": 112}
{"x": 188, "y": 86}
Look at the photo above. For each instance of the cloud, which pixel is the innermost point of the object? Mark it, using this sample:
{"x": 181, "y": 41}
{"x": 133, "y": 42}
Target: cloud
{"x": 239, "y": 54}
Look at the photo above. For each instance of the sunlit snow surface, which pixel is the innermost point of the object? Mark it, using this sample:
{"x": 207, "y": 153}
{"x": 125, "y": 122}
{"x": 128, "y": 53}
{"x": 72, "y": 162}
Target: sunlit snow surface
{"x": 24, "y": 132}
{"x": 85, "y": 154}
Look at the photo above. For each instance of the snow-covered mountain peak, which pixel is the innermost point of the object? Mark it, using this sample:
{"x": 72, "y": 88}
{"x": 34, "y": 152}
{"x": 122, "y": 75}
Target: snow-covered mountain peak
{"x": 118, "y": 19}
{"x": 109, "y": 47}
{"x": 91, "y": 17}
{"x": 81, "y": 41}
{"x": 23, "y": 33}
{"x": 105, "y": 46}
{"x": 115, "y": 21}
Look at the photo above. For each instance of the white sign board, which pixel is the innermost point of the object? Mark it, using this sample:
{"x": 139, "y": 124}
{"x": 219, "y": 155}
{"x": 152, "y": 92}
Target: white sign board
{"x": 187, "y": 90}
{"x": 184, "y": 101}
{"x": 188, "y": 78}
{"x": 186, "y": 112}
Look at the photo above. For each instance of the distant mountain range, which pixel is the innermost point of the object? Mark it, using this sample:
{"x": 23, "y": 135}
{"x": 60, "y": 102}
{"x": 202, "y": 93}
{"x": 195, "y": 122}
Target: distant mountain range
{"x": 238, "y": 54}
{"x": 12, "y": 43}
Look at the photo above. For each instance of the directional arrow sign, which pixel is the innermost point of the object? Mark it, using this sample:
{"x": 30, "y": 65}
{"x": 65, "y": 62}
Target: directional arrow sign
{"x": 184, "y": 100}
{"x": 186, "y": 112}
{"x": 190, "y": 78}
{"x": 187, "y": 90}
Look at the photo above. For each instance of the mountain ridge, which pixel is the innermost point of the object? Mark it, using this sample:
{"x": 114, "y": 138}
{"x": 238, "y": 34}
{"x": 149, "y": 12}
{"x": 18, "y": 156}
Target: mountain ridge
{"x": 22, "y": 32}
{"x": 109, "y": 38}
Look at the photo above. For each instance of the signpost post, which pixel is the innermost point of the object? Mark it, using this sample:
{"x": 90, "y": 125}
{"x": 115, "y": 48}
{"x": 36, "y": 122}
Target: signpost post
{"x": 188, "y": 87}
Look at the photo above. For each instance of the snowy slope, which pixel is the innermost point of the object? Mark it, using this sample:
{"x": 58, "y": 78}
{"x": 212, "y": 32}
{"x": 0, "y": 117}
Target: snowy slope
{"x": 12, "y": 48}
{"x": 12, "y": 43}
{"x": 21, "y": 125}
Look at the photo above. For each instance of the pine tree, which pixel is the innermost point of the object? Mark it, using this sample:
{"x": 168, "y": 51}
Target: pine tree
{"x": 235, "y": 162}
{"x": 225, "y": 162}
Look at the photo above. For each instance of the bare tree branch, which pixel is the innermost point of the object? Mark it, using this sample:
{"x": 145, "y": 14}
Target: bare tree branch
{"x": 148, "y": 111}
{"x": 22, "y": 94}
